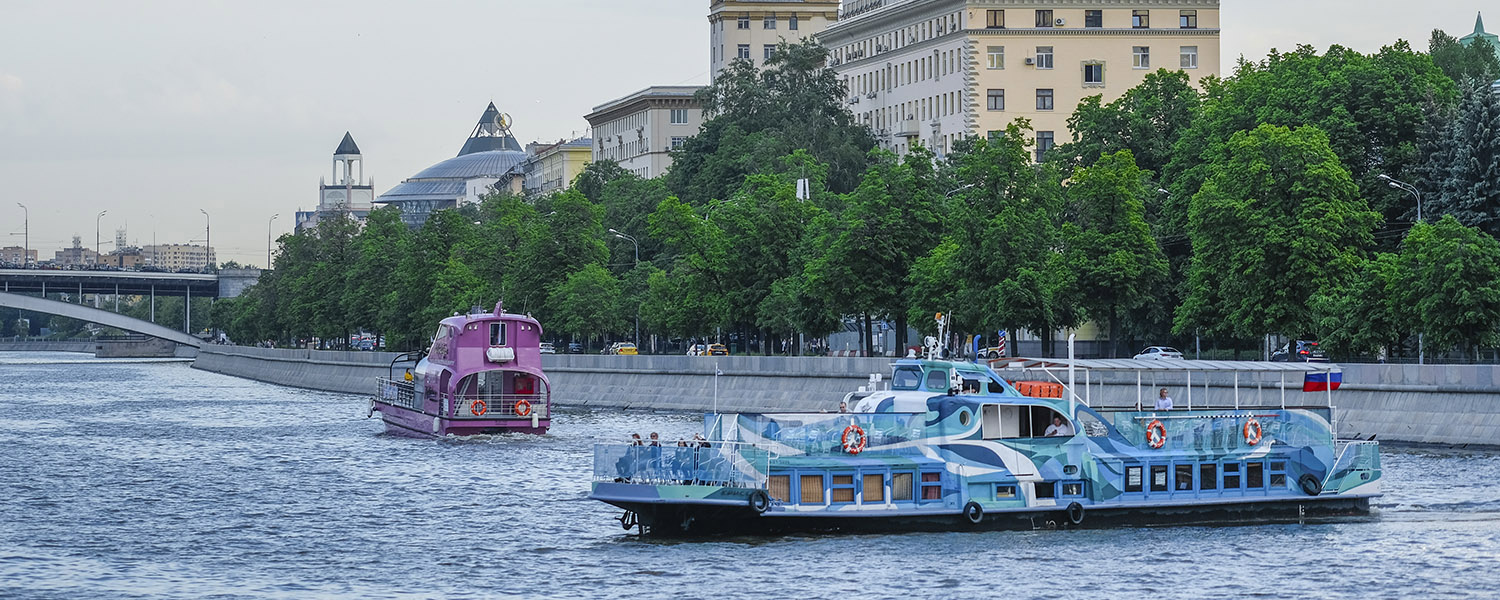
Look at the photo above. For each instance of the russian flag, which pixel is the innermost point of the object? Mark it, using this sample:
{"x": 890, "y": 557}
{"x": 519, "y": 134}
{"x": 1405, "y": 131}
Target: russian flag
{"x": 1319, "y": 382}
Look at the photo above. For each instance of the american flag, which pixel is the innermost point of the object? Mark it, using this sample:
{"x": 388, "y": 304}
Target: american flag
{"x": 1001, "y": 344}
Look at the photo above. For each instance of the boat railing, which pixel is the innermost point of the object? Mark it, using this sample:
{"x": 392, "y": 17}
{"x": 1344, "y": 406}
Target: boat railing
{"x": 499, "y": 406}
{"x": 824, "y": 433}
{"x": 722, "y": 464}
{"x": 396, "y": 392}
{"x": 1352, "y": 456}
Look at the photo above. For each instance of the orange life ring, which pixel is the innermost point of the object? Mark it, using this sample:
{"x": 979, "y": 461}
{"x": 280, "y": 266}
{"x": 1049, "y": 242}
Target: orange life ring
{"x": 479, "y": 408}
{"x": 1252, "y": 432}
{"x": 1156, "y": 434}
{"x": 858, "y": 445}
{"x": 523, "y": 408}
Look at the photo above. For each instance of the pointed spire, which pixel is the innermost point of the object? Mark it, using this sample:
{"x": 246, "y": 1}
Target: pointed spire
{"x": 1478, "y": 22}
{"x": 347, "y": 146}
{"x": 491, "y": 133}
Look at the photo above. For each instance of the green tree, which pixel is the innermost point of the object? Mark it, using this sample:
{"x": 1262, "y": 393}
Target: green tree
{"x": 1147, "y": 119}
{"x": 1117, "y": 265}
{"x": 1280, "y": 220}
{"x": 1366, "y": 313}
{"x": 1468, "y": 164}
{"x": 586, "y": 303}
{"x": 1451, "y": 285}
{"x": 1476, "y": 62}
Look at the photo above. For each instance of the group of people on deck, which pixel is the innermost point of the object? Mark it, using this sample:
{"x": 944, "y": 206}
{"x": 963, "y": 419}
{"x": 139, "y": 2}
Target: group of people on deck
{"x": 1060, "y": 428}
{"x": 698, "y": 441}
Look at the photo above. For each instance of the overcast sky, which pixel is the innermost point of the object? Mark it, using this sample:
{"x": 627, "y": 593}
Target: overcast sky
{"x": 154, "y": 110}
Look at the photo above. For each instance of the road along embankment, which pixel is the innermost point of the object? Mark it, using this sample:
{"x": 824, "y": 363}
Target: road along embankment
{"x": 1458, "y": 405}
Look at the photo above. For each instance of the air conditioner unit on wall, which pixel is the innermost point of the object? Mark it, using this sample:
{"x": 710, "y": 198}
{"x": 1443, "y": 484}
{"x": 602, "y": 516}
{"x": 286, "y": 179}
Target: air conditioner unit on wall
{"x": 1060, "y": 22}
{"x": 1030, "y": 61}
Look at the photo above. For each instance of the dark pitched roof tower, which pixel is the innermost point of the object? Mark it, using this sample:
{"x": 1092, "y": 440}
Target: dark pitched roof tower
{"x": 491, "y": 133}
{"x": 347, "y": 146}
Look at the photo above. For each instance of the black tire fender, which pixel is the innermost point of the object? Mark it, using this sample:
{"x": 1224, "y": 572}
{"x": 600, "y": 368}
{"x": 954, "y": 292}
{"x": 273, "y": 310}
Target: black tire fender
{"x": 1075, "y": 513}
{"x": 973, "y": 512}
{"x": 1310, "y": 485}
{"x": 759, "y": 501}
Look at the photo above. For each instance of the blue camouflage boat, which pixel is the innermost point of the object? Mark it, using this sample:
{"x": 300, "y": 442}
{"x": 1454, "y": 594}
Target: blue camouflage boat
{"x": 954, "y": 445}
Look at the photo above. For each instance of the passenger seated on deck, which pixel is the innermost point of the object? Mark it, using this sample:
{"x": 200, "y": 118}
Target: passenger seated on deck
{"x": 1058, "y": 428}
{"x": 635, "y": 439}
{"x": 702, "y": 443}
{"x": 655, "y": 439}
{"x": 843, "y": 406}
{"x": 1163, "y": 401}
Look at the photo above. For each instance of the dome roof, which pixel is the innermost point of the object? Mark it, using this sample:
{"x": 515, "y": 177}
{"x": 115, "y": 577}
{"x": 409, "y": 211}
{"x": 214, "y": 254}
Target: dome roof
{"x": 494, "y": 163}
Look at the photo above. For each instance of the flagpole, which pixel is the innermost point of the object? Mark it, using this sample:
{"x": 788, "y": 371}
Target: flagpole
{"x": 717, "y": 372}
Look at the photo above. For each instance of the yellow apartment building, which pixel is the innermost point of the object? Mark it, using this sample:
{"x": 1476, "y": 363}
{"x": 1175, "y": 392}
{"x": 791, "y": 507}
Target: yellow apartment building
{"x": 751, "y": 29}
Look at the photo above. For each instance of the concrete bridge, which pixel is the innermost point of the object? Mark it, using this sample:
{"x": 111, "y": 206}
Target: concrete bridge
{"x": 227, "y": 283}
{"x": 97, "y": 316}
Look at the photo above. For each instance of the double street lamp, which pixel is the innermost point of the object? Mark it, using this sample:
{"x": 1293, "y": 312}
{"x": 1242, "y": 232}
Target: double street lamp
{"x": 268, "y": 240}
{"x": 637, "y": 246}
{"x": 208, "y": 241}
{"x": 96, "y": 236}
{"x": 1397, "y": 184}
{"x": 25, "y": 235}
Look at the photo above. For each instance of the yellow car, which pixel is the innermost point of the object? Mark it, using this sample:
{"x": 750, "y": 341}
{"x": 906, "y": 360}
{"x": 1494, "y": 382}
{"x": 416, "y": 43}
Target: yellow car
{"x": 625, "y": 348}
{"x": 717, "y": 350}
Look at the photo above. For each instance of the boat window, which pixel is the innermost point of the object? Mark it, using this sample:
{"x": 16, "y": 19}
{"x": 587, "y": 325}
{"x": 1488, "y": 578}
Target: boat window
{"x": 900, "y": 487}
{"x": 971, "y": 385}
{"x": 1183, "y": 478}
{"x": 1158, "y": 478}
{"x": 937, "y": 381}
{"x": 1046, "y": 489}
{"x": 843, "y": 488}
{"x": 780, "y": 488}
{"x": 1132, "y": 479}
{"x": 1005, "y": 492}
{"x": 1072, "y": 489}
{"x": 497, "y": 334}
{"x": 906, "y": 378}
{"x": 873, "y": 488}
{"x": 1091, "y": 424}
{"x": 932, "y": 486}
{"x": 1255, "y": 475}
{"x": 1278, "y": 474}
{"x": 1231, "y": 476}
{"x": 812, "y": 489}
{"x": 1208, "y": 476}
{"x": 996, "y": 387}
{"x": 990, "y": 421}
{"x": 965, "y": 417}
{"x": 1278, "y": 465}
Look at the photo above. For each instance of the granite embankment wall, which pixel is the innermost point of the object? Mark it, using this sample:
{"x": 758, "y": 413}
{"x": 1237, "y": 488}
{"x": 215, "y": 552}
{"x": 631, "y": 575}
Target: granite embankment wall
{"x": 47, "y": 346}
{"x": 1401, "y": 403}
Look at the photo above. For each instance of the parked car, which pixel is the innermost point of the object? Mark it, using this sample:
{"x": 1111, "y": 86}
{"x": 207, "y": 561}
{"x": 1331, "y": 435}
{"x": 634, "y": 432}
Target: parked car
{"x": 1299, "y": 351}
{"x": 625, "y": 348}
{"x": 1159, "y": 353}
{"x": 992, "y": 352}
{"x": 547, "y": 348}
{"x": 697, "y": 350}
{"x": 575, "y": 348}
{"x": 717, "y": 350}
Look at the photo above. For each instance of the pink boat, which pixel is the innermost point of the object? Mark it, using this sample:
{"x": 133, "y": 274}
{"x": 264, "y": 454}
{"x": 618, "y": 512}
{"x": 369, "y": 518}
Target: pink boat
{"x": 482, "y": 375}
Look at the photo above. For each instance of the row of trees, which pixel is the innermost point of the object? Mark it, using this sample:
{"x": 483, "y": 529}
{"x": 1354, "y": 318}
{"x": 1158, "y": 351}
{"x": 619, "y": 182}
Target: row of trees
{"x": 1253, "y": 205}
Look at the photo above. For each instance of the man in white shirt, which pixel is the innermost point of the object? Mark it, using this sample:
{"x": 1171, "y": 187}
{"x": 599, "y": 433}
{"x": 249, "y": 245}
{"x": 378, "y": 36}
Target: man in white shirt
{"x": 1058, "y": 428}
{"x": 1163, "y": 401}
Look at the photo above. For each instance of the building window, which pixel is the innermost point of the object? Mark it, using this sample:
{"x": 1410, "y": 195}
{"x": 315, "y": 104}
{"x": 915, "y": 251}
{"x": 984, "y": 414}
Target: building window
{"x": 1140, "y": 19}
{"x": 842, "y": 488}
{"x": 769, "y": 22}
{"x": 1158, "y": 472}
{"x": 1093, "y": 74}
{"x": 1142, "y": 57}
{"x": 743, "y": 22}
{"x": 1044, "y": 57}
{"x": 1044, "y": 99}
{"x": 872, "y": 488}
{"x": 768, "y": 50}
{"x": 1208, "y": 476}
{"x": 901, "y": 487}
{"x": 780, "y": 488}
{"x": 1189, "y": 57}
{"x": 1044, "y": 18}
{"x": 811, "y": 489}
{"x": 932, "y": 486}
{"x": 1093, "y": 18}
{"x": 996, "y": 99}
{"x": 679, "y": 116}
{"x": 1255, "y": 475}
{"x": 1133, "y": 479}
{"x": 1189, "y": 19}
{"x": 1044, "y": 142}
{"x": 1182, "y": 477}
{"x": 997, "y": 57}
{"x": 994, "y": 19}
{"x": 791, "y": 23}
{"x": 678, "y": 141}
{"x": 744, "y": 51}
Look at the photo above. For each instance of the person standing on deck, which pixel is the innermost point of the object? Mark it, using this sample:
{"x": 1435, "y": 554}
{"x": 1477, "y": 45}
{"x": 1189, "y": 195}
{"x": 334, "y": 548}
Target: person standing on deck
{"x": 1163, "y": 401}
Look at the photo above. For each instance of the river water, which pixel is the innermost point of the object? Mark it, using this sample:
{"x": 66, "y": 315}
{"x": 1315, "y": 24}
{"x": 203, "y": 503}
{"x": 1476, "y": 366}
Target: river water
{"x": 125, "y": 479}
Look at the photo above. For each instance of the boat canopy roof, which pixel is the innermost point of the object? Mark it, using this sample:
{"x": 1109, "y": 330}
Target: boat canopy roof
{"x": 1131, "y": 364}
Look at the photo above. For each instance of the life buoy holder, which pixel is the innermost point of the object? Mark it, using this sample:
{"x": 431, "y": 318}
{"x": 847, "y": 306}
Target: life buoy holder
{"x": 1156, "y": 434}
{"x": 759, "y": 501}
{"x": 974, "y": 512}
{"x": 854, "y": 439}
{"x": 479, "y": 408}
{"x": 523, "y": 408}
{"x": 1252, "y": 432}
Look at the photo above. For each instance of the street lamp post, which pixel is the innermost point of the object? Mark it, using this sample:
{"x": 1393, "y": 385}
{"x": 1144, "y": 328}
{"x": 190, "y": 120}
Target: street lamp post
{"x": 1397, "y": 184}
{"x": 208, "y": 240}
{"x": 25, "y": 235}
{"x": 268, "y": 240}
{"x": 637, "y": 246}
{"x": 96, "y": 236}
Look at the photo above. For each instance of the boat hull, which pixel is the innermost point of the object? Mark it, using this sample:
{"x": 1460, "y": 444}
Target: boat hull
{"x": 410, "y": 423}
{"x": 670, "y": 520}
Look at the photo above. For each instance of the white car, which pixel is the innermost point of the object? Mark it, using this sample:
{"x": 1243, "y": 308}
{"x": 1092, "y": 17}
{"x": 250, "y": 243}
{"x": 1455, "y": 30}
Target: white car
{"x": 1159, "y": 353}
{"x": 548, "y": 348}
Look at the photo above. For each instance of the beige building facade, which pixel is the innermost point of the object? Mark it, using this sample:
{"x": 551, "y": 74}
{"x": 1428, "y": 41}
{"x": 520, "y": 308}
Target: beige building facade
{"x": 751, "y": 29}
{"x": 553, "y": 167}
{"x": 930, "y": 72}
{"x": 17, "y": 255}
{"x": 178, "y": 257}
{"x": 640, "y": 131}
